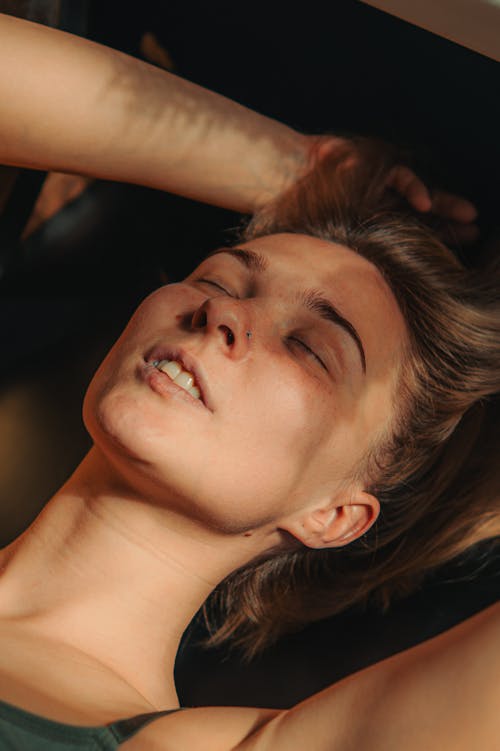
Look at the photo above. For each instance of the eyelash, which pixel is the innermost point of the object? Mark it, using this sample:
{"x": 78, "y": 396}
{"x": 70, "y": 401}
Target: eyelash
{"x": 308, "y": 350}
{"x": 304, "y": 346}
{"x": 215, "y": 284}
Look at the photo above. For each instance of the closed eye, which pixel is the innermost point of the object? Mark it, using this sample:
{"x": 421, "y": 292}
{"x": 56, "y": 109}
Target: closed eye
{"x": 309, "y": 351}
{"x": 214, "y": 284}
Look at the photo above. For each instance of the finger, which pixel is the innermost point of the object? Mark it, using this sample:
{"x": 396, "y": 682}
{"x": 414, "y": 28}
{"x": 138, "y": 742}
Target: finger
{"x": 405, "y": 182}
{"x": 449, "y": 206}
{"x": 460, "y": 234}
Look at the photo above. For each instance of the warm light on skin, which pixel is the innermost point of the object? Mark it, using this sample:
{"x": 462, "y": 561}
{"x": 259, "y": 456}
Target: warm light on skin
{"x": 284, "y": 433}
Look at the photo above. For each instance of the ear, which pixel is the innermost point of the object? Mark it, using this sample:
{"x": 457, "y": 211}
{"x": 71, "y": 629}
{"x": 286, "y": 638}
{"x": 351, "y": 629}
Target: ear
{"x": 334, "y": 523}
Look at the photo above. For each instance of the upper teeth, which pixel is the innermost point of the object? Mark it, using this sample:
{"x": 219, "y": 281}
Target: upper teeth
{"x": 182, "y": 378}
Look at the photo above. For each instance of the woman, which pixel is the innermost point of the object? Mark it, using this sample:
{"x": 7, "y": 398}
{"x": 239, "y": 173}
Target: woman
{"x": 243, "y": 476}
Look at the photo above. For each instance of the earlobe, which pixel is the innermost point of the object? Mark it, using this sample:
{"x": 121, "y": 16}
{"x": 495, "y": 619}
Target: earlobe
{"x": 335, "y": 524}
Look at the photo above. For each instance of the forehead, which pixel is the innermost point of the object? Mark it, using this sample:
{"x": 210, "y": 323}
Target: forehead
{"x": 352, "y": 283}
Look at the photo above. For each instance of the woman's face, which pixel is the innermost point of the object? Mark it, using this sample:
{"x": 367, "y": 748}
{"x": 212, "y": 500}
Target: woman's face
{"x": 287, "y": 413}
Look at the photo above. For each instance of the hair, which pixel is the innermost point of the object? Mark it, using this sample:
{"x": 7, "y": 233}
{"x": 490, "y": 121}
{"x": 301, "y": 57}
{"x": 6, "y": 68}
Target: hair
{"x": 435, "y": 471}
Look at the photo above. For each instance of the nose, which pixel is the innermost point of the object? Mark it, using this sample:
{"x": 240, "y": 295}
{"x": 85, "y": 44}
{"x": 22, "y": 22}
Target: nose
{"x": 226, "y": 320}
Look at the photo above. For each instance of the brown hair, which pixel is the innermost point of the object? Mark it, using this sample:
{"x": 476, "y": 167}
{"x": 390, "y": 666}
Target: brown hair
{"x": 435, "y": 472}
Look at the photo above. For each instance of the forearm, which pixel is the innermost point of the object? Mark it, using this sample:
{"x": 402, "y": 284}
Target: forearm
{"x": 71, "y": 105}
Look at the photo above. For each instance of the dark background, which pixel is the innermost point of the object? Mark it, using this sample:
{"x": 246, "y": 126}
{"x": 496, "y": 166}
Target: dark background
{"x": 68, "y": 290}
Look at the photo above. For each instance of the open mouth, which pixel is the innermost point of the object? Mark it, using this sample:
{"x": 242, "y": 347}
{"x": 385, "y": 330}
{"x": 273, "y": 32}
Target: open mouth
{"x": 178, "y": 375}
{"x": 182, "y": 370}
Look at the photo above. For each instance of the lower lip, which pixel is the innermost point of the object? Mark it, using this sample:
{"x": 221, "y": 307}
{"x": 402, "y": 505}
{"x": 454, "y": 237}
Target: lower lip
{"x": 163, "y": 385}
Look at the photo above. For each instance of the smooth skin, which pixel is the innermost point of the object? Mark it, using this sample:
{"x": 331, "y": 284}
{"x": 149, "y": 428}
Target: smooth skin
{"x": 144, "y": 521}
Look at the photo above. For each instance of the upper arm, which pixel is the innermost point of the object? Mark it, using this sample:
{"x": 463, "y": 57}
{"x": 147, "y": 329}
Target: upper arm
{"x": 443, "y": 695}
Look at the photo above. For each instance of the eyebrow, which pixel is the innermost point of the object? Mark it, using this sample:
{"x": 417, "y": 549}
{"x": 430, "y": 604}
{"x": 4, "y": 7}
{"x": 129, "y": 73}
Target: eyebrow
{"x": 249, "y": 258}
{"x": 311, "y": 299}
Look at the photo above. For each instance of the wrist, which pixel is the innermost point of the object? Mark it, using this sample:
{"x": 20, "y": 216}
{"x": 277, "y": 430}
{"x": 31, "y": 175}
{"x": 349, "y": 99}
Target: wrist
{"x": 288, "y": 160}
{"x": 297, "y": 156}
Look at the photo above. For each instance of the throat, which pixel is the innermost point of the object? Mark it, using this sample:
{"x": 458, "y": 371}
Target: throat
{"x": 108, "y": 583}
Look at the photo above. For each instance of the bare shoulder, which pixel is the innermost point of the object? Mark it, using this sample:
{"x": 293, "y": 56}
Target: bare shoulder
{"x": 442, "y": 695}
{"x": 202, "y": 729}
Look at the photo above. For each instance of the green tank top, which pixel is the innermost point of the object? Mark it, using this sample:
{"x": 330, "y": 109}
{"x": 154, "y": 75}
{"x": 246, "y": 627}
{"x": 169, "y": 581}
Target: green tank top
{"x": 24, "y": 731}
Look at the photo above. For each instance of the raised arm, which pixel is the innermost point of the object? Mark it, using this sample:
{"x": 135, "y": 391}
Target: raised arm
{"x": 443, "y": 695}
{"x": 70, "y": 105}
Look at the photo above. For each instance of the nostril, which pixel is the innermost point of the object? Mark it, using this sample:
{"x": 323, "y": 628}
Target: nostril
{"x": 229, "y": 334}
{"x": 199, "y": 319}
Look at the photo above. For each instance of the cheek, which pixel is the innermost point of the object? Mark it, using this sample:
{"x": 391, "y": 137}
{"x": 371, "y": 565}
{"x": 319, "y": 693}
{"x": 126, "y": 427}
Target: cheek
{"x": 275, "y": 422}
{"x": 166, "y": 307}
{"x": 118, "y": 411}
{"x": 111, "y": 414}
{"x": 114, "y": 378}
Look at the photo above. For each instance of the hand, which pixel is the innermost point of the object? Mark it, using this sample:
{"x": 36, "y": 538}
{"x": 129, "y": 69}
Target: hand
{"x": 454, "y": 216}
{"x": 458, "y": 213}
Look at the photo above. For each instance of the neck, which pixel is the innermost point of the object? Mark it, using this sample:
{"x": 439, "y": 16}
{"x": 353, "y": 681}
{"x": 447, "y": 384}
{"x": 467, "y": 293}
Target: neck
{"x": 103, "y": 571}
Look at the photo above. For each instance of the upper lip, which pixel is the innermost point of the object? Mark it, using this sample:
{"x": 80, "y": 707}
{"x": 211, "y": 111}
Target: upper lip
{"x": 188, "y": 362}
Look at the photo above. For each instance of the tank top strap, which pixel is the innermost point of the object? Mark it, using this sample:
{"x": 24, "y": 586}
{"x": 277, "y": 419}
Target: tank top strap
{"x": 122, "y": 730}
